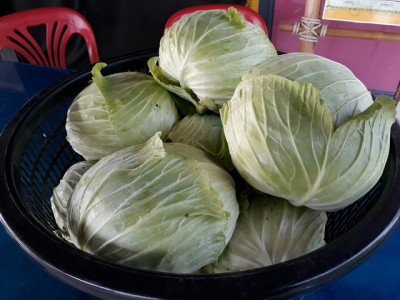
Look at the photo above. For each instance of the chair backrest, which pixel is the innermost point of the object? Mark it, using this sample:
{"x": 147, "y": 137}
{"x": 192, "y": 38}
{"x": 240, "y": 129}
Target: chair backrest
{"x": 249, "y": 14}
{"x": 60, "y": 22}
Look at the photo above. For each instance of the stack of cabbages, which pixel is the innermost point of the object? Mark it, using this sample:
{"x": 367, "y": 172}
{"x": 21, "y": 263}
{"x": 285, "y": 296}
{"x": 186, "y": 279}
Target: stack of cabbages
{"x": 225, "y": 158}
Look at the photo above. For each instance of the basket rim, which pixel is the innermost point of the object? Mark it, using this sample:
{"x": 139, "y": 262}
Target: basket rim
{"x": 90, "y": 274}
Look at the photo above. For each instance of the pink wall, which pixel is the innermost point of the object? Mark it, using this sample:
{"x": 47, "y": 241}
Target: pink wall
{"x": 375, "y": 63}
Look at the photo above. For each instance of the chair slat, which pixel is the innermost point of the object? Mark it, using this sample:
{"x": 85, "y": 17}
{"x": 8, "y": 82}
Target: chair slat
{"x": 28, "y": 46}
{"x": 60, "y": 22}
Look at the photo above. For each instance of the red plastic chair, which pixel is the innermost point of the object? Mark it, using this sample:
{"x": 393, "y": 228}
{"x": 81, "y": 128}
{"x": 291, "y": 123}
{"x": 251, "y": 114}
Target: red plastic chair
{"x": 249, "y": 14}
{"x": 61, "y": 23}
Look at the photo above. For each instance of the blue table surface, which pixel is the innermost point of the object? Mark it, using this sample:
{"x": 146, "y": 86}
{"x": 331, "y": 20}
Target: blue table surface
{"x": 377, "y": 277}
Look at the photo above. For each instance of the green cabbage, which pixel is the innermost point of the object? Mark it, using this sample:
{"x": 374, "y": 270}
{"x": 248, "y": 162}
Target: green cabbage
{"x": 63, "y": 191}
{"x": 270, "y": 230}
{"x": 204, "y": 132}
{"x": 343, "y": 93}
{"x": 89, "y": 131}
{"x": 157, "y": 206}
{"x": 138, "y": 107}
{"x": 283, "y": 142}
{"x": 203, "y": 55}
{"x": 116, "y": 111}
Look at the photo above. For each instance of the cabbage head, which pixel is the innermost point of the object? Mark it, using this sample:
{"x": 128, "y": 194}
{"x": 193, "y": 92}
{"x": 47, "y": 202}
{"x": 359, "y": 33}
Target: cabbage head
{"x": 269, "y": 231}
{"x": 205, "y": 132}
{"x": 203, "y": 55}
{"x": 119, "y": 110}
{"x": 63, "y": 191}
{"x": 156, "y": 206}
{"x": 283, "y": 142}
{"x": 89, "y": 130}
{"x": 343, "y": 93}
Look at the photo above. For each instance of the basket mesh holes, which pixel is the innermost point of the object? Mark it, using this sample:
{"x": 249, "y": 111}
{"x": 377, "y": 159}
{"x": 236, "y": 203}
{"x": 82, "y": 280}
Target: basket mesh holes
{"x": 46, "y": 158}
{"x": 342, "y": 220}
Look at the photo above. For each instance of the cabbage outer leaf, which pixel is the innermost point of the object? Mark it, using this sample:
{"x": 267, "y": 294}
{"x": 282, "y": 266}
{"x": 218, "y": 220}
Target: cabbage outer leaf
{"x": 159, "y": 77}
{"x": 269, "y": 231}
{"x": 283, "y": 142}
{"x": 137, "y": 106}
{"x": 343, "y": 93}
{"x": 63, "y": 191}
{"x": 206, "y": 133}
{"x": 203, "y": 131}
{"x": 89, "y": 130}
{"x": 154, "y": 206}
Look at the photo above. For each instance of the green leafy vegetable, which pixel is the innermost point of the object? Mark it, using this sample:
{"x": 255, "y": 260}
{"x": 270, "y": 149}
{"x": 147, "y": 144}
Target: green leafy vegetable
{"x": 137, "y": 106}
{"x": 63, "y": 191}
{"x": 204, "y": 132}
{"x": 203, "y": 55}
{"x": 89, "y": 131}
{"x": 269, "y": 231}
{"x": 343, "y": 93}
{"x": 283, "y": 142}
{"x": 156, "y": 206}
{"x": 116, "y": 111}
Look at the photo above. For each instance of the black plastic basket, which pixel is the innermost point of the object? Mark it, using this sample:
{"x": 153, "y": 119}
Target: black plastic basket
{"x": 35, "y": 154}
